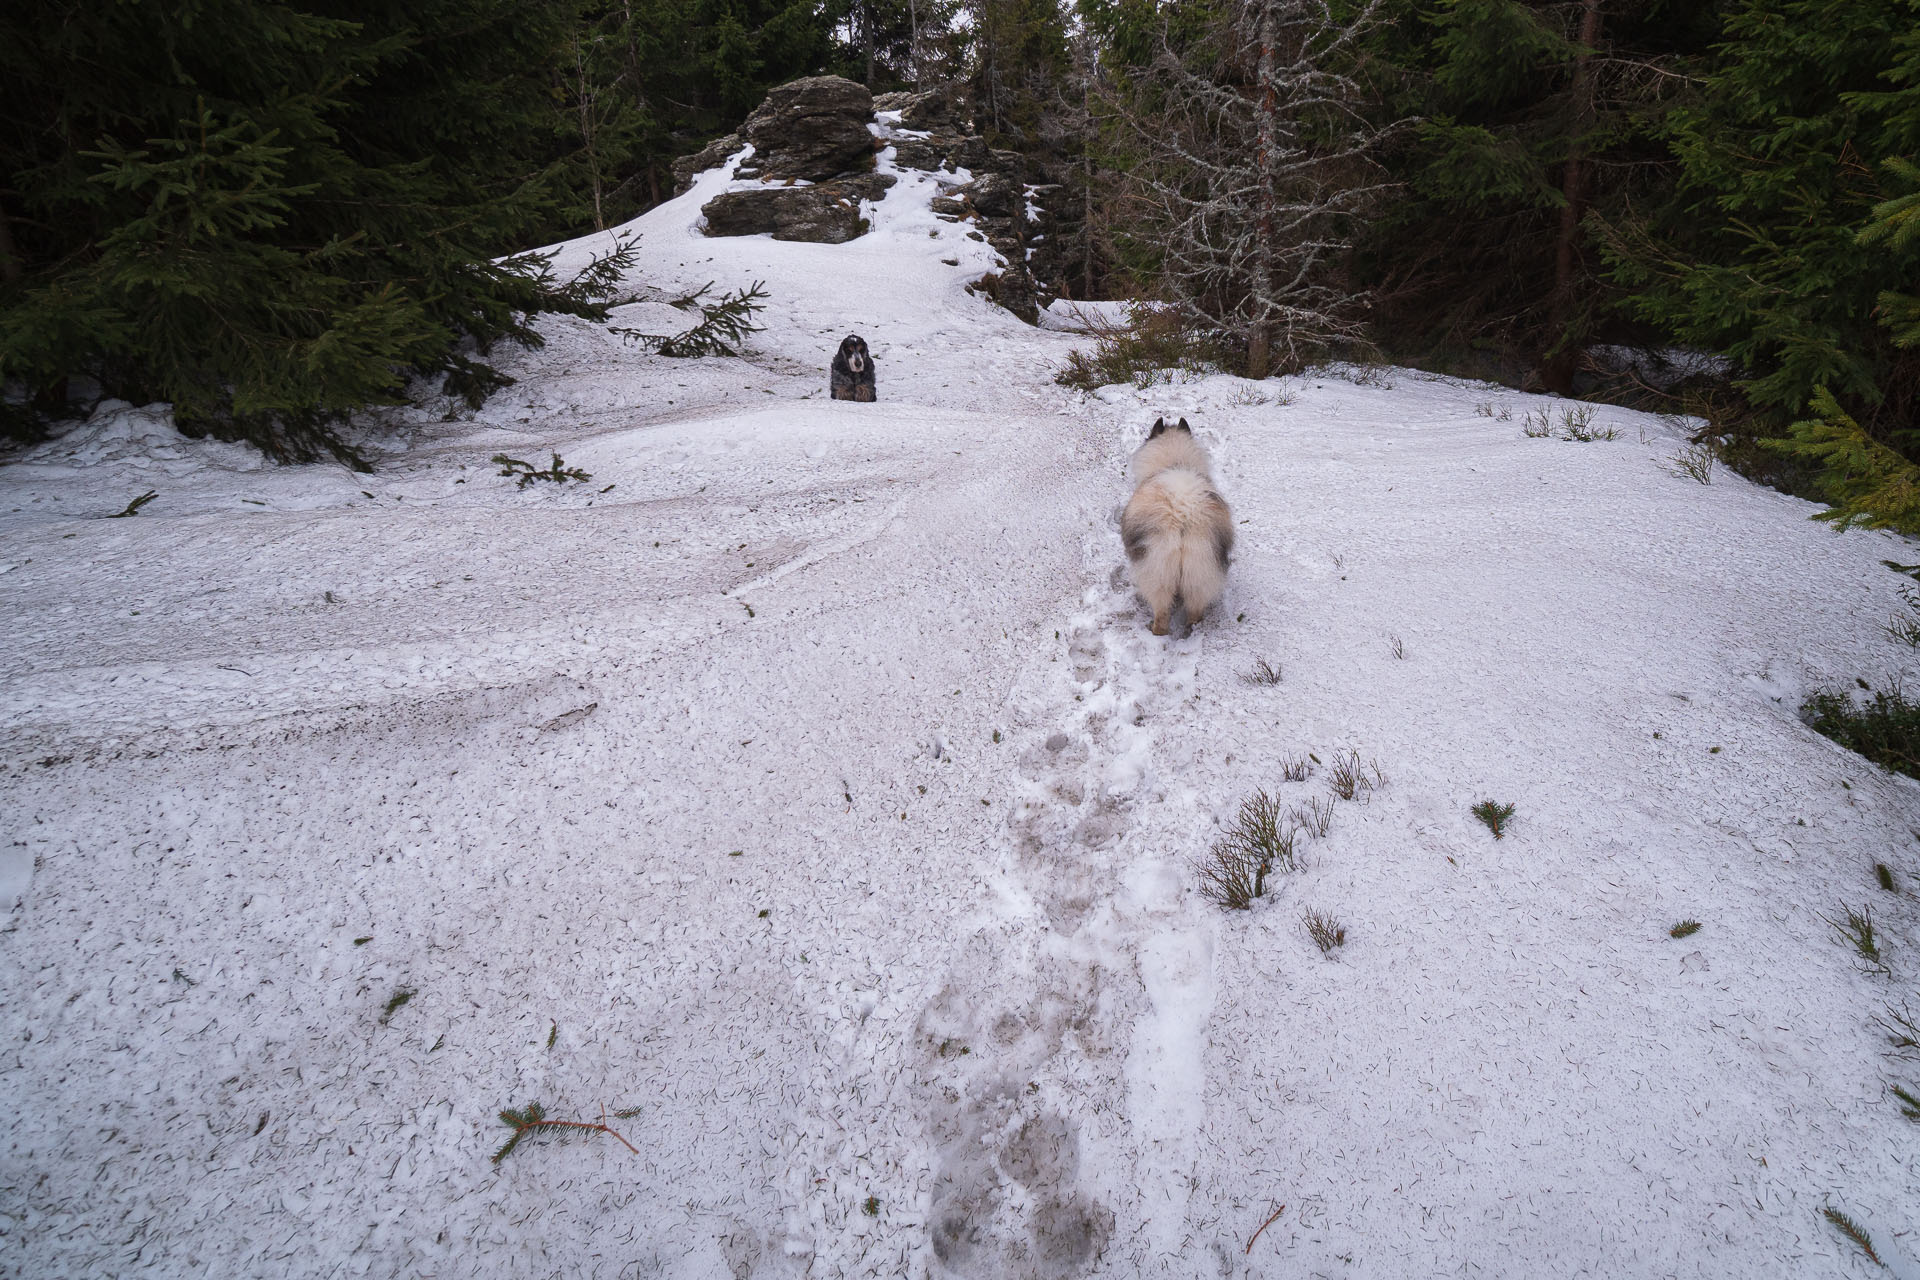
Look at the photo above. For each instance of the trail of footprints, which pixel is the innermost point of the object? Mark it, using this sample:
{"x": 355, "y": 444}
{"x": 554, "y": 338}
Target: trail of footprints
{"x": 1025, "y": 1069}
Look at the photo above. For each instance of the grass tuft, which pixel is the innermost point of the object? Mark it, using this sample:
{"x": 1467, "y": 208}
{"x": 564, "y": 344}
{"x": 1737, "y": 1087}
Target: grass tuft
{"x": 1315, "y": 817}
{"x": 1884, "y": 874}
{"x": 1495, "y": 815}
{"x": 1326, "y": 932}
{"x": 1695, "y": 462}
{"x": 1350, "y": 779}
{"x": 1263, "y": 672}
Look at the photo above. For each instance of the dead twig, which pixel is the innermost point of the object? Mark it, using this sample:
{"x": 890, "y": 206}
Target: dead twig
{"x": 1263, "y": 1226}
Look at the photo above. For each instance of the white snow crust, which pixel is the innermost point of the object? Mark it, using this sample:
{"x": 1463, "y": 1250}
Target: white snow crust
{"x": 807, "y": 788}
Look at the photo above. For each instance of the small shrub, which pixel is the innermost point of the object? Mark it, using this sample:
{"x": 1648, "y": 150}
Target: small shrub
{"x": 1885, "y": 731}
{"x": 1858, "y": 932}
{"x": 1576, "y": 424}
{"x": 1326, "y": 932}
{"x": 1495, "y": 815}
{"x": 1903, "y": 1031}
{"x": 1909, "y": 1105}
{"x": 1685, "y": 929}
{"x": 1349, "y": 778}
{"x": 1884, "y": 874}
{"x": 1484, "y": 408}
{"x": 1260, "y": 841}
{"x": 1695, "y": 462}
{"x": 1155, "y": 344}
{"x": 1296, "y": 768}
{"x": 1904, "y": 626}
{"x": 557, "y": 473}
{"x": 1263, "y": 672}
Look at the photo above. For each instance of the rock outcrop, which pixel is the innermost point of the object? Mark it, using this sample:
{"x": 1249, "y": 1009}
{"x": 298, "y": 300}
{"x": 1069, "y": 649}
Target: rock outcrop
{"x": 813, "y": 154}
{"x": 813, "y": 129}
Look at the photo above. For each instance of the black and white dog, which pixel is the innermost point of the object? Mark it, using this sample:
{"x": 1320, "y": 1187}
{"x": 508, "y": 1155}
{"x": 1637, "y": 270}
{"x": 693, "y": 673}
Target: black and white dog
{"x": 852, "y": 375}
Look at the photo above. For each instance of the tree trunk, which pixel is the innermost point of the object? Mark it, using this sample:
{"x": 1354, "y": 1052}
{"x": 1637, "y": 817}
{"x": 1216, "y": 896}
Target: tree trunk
{"x": 866, "y": 35}
{"x": 1266, "y": 149}
{"x": 11, "y": 268}
{"x": 913, "y": 43}
{"x": 1556, "y": 371}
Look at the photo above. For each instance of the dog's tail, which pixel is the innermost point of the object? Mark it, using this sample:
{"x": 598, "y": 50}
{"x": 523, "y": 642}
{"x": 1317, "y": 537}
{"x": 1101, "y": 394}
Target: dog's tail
{"x": 1203, "y": 563}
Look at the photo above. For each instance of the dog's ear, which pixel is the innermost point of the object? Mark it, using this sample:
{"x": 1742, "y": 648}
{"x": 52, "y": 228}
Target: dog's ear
{"x": 1184, "y": 427}
{"x": 1159, "y": 425}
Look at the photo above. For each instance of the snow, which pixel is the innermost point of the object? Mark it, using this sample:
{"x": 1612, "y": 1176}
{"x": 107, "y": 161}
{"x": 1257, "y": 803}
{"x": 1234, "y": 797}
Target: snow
{"x": 807, "y": 784}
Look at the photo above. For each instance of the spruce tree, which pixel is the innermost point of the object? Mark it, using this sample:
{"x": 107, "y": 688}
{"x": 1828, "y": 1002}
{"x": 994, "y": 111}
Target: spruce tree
{"x": 1785, "y": 249}
{"x": 1534, "y": 116}
{"x": 269, "y": 215}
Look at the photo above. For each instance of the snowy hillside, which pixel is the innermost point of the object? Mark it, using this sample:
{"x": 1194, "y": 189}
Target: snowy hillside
{"x": 804, "y": 794}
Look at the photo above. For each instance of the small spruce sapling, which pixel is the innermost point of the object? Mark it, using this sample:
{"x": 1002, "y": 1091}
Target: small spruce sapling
{"x": 1495, "y": 815}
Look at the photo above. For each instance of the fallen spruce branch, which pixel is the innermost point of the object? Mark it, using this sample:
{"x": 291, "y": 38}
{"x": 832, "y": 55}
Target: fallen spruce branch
{"x": 534, "y": 1116}
{"x": 133, "y": 508}
{"x": 525, "y": 472}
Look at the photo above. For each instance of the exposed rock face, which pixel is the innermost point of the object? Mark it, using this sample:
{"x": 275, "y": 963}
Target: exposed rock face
{"x": 826, "y": 213}
{"x": 712, "y": 155}
{"x": 814, "y": 128}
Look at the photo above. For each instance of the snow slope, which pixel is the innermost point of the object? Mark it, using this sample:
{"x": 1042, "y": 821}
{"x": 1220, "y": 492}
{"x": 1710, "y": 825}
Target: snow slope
{"x": 806, "y": 788}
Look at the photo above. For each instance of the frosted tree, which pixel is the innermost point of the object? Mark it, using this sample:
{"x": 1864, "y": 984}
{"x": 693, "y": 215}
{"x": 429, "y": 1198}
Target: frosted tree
{"x": 1253, "y": 171}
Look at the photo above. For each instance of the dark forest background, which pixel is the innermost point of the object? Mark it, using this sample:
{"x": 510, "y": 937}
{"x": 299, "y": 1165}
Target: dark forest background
{"x": 277, "y": 215}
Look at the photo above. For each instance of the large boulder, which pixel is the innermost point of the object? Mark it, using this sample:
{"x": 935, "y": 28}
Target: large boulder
{"x": 714, "y": 154}
{"x": 824, "y": 213}
{"x": 814, "y": 129}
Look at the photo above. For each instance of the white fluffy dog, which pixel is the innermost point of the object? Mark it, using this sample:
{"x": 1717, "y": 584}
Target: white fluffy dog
{"x": 1177, "y": 529}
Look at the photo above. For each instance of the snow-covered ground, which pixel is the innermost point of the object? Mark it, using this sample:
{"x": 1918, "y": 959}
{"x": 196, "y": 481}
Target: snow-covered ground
{"x": 806, "y": 789}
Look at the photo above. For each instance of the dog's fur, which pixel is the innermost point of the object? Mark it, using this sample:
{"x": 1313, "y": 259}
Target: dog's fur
{"x": 1177, "y": 529}
{"x": 852, "y": 374}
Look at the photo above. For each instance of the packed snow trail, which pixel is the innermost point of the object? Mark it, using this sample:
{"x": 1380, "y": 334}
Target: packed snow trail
{"x": 804, "y": 795}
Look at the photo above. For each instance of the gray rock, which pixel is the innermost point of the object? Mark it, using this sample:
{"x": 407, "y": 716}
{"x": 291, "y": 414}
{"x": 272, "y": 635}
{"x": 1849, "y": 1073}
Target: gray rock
{"x": 931, "y": 111}
{"x": 913, "y": 153}
{"x": 814, "y": 128}
{"x": 995, "y": 195}
{"x": 713, "y": 154}
{"x": 827, "y": 213}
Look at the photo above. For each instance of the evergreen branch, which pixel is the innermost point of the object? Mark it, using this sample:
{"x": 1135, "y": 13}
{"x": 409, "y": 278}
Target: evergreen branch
{"x": 533, "y": 1117}
{"x": 1852, "y": 1231}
